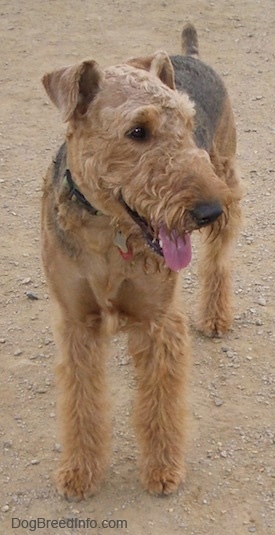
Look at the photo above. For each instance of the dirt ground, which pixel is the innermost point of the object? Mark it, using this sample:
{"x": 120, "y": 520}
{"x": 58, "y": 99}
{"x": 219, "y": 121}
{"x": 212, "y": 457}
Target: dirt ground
{"x": 230, "y": 485}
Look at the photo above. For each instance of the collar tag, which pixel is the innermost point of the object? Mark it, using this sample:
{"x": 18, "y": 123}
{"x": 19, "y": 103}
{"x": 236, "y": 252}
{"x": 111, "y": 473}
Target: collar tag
{"x": 121, "y": 243}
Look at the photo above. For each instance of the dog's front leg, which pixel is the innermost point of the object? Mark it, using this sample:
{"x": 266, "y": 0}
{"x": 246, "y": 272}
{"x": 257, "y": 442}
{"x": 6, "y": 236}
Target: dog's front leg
{"x": 83, "y": 414}
{"x": 161, "y": 354}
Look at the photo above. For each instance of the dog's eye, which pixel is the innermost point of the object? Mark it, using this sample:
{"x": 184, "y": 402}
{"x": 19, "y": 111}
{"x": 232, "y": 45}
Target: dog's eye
{"x": 138, "y": 133}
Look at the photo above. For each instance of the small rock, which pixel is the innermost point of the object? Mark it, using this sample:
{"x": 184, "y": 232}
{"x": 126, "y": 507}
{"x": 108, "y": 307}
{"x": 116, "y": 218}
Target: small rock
{"x": 32, "y": 296}
{"x": 40, "y": 356}
{"x": 18, "y": 352}
{"x": 5, "y": 508}
{"x": 2, "y": 341}
{"x": 261, "y": 301}
{"x": 27, "y": 280}
{"x": 41, "y": 390}
{"x": 35, "y": 461}
{"x": 57, "y": 447}
{"x": 218, "y": 402}
{"x": 7, "y": 445}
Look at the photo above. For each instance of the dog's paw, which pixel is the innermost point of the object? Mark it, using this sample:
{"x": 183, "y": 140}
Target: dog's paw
{"x": 214, "y": 326}
{"x": 162, "y": 481}
{"x": 75, "y": 483}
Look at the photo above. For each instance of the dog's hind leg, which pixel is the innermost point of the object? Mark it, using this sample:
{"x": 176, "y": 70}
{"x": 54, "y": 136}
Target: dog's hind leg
{"x": 215, "y": 299}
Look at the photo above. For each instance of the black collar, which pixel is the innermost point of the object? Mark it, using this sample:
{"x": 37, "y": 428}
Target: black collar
{"x": 75, "y": 193}
{"x": 146, "y": 230}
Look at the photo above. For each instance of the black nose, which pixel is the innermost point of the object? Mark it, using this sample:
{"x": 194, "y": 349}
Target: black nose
{"x": 206, "y": 213}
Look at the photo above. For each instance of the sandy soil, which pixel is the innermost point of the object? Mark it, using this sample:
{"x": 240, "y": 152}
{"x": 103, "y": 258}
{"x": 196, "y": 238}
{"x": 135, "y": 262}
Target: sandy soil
{"x": 230, "y": 486}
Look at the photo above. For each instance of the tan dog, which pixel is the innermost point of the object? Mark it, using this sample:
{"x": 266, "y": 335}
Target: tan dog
{"x": 143, "y": 166}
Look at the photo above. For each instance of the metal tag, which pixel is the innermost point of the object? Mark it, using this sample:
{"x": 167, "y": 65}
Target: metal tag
{"x": 120, "y": 242}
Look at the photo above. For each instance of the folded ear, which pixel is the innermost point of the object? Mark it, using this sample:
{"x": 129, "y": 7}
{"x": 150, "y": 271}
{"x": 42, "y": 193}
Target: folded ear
{"x": 158, "y": 64}
{"x": 73, "y": 87}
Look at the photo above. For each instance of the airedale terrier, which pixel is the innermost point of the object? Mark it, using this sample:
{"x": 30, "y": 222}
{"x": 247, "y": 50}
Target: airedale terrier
{"x": 149, "y": 157}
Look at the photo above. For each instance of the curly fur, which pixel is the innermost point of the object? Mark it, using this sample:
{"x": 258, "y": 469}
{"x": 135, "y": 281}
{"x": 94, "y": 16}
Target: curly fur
{"x": 187, "y": 158}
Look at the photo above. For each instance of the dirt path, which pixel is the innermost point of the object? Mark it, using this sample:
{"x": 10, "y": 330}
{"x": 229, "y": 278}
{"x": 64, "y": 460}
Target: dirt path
{"x": 230, "y": 486}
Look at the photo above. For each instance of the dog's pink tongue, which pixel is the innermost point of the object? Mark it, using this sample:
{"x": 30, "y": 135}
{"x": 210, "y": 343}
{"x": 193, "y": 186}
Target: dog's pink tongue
{"x": 177, "y": 251}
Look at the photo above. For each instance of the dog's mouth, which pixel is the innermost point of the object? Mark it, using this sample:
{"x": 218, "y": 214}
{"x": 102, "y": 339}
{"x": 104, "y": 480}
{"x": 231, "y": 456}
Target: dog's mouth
{"x": 175, "y": 249}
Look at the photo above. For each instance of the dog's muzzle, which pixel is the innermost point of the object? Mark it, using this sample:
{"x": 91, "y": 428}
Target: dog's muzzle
{"x": 175, "y": 247}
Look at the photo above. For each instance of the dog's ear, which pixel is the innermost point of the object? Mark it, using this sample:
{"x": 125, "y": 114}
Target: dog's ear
{"x": 73, "y": 88}
{"x": 158, "y": 64}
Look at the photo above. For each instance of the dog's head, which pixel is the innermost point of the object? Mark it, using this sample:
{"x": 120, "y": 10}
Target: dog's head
{"x": 131, "y": 151}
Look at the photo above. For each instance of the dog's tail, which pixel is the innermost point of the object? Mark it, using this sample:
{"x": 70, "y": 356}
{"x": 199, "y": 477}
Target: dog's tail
{"x": 189, "y": 41}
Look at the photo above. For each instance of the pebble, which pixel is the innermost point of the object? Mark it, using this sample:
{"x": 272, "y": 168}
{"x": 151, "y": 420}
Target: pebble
{"x": 41, "y": 390}
{"x": 35, "y": 461}
{"x": 32, "y": 296}
{"x": 5, "y": 508}
{"x": 18, "y": 352}
{"x": 57, "y": 447}
{"x": 261, "y": 301}
{"x": 40, "y": 356}
{"x": 7, "y": 445}
{"x": 27, "y": 280}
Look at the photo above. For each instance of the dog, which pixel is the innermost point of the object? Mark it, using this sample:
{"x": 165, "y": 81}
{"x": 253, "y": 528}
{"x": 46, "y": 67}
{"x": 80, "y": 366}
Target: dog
{"x": 149, "y": 157}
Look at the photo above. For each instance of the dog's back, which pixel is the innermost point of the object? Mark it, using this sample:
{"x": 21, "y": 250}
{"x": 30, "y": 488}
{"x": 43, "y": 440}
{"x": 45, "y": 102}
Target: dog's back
{"x": 202, "y": 84}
